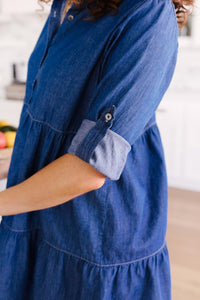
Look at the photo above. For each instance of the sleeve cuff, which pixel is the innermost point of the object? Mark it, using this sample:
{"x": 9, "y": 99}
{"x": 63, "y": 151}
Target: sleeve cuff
{"x": 109, "y": 154}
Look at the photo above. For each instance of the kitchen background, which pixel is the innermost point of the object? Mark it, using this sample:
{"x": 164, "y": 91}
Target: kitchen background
{"x": 178, "y": 118}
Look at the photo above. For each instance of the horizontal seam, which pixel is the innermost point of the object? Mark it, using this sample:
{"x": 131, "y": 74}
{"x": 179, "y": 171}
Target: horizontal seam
{"x": 154, "y": 123}
{"x": 102, "y": 265}
{"x": 82, "y": 258}
{"x": 18, "y": 230}
{"x": 49, "y": 125}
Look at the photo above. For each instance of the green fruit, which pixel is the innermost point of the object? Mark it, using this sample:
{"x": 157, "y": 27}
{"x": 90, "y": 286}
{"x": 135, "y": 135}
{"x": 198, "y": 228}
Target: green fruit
{"x": 8, "y": 128}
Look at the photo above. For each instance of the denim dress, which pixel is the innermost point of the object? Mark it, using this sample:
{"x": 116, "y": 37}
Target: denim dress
{"x": 92, "y": 90}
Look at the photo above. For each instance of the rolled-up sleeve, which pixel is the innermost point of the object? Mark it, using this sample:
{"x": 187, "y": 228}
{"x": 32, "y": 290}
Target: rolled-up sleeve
{"x": 136, "y": 71}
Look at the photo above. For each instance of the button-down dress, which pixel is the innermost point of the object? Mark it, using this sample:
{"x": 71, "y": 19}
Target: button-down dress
{"x": 92, "y": 90}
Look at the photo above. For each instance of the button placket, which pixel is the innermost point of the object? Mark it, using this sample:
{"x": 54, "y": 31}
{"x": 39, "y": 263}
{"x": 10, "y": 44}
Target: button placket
{"x": 33, "y": 87}
{"x": 51, "y": 32}
{"x": 53, "y": 28}
{"x": 70, "y": 17}
{"x": 70, "y": 13}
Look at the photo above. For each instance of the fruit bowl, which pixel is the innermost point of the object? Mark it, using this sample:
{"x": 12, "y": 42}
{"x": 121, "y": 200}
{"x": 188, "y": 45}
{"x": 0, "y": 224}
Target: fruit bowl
{"x": 7, "y": 139}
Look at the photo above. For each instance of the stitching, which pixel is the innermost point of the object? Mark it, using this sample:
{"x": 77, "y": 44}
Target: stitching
{"x": 82, "y": 258}
{"x": 107, "y": 265}
{"x": 154, "y": 123}
{"x": 49, "y": 125}
{"x": 18, "y": 230}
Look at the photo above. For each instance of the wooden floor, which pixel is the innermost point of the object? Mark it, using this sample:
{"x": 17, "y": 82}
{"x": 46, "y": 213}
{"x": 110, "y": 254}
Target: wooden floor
{"x": 183, "y": 238}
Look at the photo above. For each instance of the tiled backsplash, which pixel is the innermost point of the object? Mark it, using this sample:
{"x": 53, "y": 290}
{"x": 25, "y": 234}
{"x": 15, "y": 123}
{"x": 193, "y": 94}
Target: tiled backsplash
{"x": 18, "y": 37}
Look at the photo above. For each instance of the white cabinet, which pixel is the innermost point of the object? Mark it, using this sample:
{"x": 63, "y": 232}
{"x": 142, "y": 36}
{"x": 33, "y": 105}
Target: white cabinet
{"x": 169, "y": 119}
{"x": 192, "y": 147}
{"x": 10, "y": 111}
{"x": 178, "y": 119}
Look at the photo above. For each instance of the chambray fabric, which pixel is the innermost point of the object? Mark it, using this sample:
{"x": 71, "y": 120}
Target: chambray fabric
{"x": 109, "y": 156}
{"x": 92, "y": 90}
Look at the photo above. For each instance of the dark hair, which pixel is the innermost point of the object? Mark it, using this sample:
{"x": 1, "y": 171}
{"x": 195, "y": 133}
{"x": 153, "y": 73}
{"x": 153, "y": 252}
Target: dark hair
{"x": 98, "y": 8}
{"x": 183, "y": 9}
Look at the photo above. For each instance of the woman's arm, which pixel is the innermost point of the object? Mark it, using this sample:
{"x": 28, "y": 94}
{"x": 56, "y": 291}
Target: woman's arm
{"x": 60, "y": 181}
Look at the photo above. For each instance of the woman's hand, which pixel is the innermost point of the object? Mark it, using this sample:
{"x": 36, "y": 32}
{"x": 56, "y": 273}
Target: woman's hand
{"x": 4, "y": 167}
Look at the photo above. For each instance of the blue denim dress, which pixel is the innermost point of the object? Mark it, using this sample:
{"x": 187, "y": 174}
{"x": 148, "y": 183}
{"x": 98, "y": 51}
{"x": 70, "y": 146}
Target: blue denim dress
{"x": 92, "y": 90}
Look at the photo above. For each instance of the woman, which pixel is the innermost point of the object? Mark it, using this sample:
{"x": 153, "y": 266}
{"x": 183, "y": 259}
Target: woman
{"x": 85, "y": 209}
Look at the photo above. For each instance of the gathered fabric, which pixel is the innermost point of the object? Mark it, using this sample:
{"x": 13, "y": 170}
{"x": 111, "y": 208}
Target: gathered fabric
{"x": 92, "y": 90}
{"x": 40, "y": 270}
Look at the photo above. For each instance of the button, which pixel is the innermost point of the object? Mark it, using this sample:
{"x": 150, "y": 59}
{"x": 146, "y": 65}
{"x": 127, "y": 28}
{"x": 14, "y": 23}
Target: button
{"x": 108, "y": 117}
{"x": 54, "y": 13}
{"x": 70, "y": 17}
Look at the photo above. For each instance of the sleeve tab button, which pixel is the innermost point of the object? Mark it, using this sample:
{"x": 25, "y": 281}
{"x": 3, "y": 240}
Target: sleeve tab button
{"x": 108, "y": 117}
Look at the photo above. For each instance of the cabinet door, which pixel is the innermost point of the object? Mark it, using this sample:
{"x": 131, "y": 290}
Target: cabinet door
{"x": 179, "y": 123}
{"x": 192, "y": 143}
{"x": 170, "y": 119}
